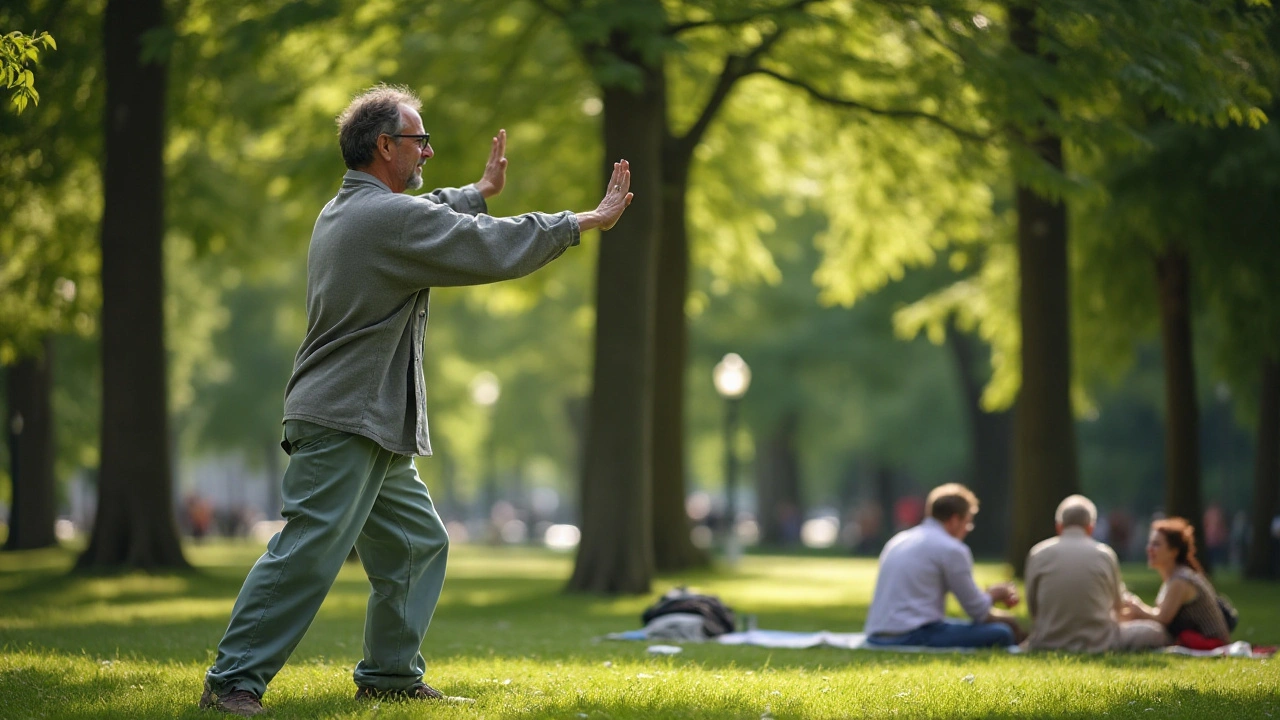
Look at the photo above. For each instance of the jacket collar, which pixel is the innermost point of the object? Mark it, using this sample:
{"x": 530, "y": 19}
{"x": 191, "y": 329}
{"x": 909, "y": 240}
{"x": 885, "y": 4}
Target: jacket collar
{"x": 355, "y": 177}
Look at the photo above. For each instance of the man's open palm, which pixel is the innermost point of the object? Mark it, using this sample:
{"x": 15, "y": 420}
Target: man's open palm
{"x": 495, "y": 170}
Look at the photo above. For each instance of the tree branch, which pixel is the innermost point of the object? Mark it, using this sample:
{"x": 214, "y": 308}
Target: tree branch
{"x": 735, "y": 68}
{"x": 546, "y": 5}
{"x": 857, "y": 105}
{"x": 740, "y": 20}
{"x": 942, "y": 43}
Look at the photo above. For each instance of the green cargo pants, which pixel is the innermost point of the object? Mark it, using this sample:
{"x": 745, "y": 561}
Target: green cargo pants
{"x": 340, "y": 489}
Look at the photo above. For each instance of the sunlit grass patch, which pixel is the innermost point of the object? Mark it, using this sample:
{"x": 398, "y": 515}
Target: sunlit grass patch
{"x": 507, "y": 635}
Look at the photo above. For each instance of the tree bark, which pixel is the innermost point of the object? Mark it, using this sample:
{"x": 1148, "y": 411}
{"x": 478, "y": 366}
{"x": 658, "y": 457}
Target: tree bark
{"x": 135, "y": 519}
{"x": 778, "y": 491}
{"x": 30, "y": 424}
{"x": 275, "y": 479}
{"x": 991, "y": 452}
{"x": 1044, "y": 438}
{"x": 1182, "y": 411}
{"x": 673, "y": 548}
{"x": 615, "y": 555}
{"x": 1266, "y": 475}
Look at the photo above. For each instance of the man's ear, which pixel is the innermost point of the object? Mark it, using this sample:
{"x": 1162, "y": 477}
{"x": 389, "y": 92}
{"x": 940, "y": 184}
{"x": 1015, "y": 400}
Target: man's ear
{"x": 1058, "y": 527}
{"x": 384, "y": 147}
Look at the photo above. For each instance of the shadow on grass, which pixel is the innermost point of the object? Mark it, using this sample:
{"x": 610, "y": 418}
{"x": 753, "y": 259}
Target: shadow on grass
{"x": 39, "y": 693}
{"x": 180, "y": 617}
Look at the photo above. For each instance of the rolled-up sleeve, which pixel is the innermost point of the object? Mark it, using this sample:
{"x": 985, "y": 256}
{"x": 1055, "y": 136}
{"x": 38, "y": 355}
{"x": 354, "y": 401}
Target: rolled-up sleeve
{"x": 959, "y": 575}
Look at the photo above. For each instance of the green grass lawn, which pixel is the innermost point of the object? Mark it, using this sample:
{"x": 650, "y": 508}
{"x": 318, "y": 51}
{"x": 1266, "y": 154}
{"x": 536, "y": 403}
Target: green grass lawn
{"x": 137, "y": 647}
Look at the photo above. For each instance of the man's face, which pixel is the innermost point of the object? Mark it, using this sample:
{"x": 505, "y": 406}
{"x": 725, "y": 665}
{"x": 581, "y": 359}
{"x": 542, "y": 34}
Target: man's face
{"x": 959, "y": 526}
{"x": 410, "y": 153}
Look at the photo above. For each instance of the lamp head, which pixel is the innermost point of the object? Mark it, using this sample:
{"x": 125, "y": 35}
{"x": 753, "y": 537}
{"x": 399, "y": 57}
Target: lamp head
{"x": 732, "y": 376}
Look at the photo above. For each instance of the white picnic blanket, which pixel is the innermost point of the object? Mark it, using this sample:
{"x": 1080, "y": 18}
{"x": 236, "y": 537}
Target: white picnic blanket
{"x": 858, "y": 641}
{"x": 847, "y": 641}
{"x": 797, "y": 640}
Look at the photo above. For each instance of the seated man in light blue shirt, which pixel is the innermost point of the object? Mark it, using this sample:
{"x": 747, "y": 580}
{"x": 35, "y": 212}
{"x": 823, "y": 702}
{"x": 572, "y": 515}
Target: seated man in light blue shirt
{"x": 918, "y": 567}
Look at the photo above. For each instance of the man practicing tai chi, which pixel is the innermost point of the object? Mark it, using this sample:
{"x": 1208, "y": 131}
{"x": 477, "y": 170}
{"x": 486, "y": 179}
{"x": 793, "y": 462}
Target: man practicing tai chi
{"x": 355, "y": 407}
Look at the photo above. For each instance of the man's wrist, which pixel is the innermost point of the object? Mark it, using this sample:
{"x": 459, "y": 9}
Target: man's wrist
{"x": 588, "y": 220}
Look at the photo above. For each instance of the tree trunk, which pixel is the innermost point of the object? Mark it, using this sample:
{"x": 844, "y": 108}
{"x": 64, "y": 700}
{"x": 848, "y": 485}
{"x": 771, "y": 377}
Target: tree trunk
{"x": 1044, "y": 438}
{"x": 616, "y": 552}
{"x": 446, "y": 499}
{"x": 778, "y": 505}
{"x": 887, "y": 496}
{"x": 33, "y": 512}
{"x": 673, "y": 548}
{"x": 1182, "y": 412}
{"x": 991, "y": 452}
{"x": 275, "y": 479}
{"x": 1266, "y": 474}
{"x": 135, "y": 519}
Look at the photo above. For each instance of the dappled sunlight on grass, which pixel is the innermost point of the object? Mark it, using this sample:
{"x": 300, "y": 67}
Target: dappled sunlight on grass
{"x": 508, "y": 635}
{"x": 97, "y": 614}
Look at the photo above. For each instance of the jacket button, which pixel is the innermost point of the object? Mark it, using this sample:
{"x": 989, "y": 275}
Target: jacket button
{"x": 422, "y": 313}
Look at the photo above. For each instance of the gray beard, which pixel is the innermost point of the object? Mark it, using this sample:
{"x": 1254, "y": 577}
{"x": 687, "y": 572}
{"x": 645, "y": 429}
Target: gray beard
{"x": 415, "y": 180}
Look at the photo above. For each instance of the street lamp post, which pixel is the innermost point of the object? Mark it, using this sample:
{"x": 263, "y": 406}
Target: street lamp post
{"x": 732, "y": 377}
{"x": 485, "y": 390}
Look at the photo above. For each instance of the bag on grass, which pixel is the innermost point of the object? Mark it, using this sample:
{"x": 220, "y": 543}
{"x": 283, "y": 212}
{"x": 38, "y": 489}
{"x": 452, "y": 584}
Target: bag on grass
{"x": 1229, "y": 612}
{"x": 717, "y": 618}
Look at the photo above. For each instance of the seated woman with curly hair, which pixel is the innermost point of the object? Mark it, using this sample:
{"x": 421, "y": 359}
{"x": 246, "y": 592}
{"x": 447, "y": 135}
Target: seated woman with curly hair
{"x": 1187, "y": 604}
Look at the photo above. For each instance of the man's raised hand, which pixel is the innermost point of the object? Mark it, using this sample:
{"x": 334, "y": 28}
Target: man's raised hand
{"x": 495, "y": 170}
{"x": 615, "y": 201}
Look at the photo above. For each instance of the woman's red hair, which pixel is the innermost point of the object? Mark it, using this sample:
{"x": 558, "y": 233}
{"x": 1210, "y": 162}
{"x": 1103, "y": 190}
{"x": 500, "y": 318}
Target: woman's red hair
{"x": 1181, "y": 536}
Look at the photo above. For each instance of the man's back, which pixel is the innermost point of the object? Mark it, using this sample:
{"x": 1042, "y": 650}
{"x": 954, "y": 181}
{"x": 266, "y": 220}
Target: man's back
{"x": 917, "y": 569}
{"x": 1073, "y": 584}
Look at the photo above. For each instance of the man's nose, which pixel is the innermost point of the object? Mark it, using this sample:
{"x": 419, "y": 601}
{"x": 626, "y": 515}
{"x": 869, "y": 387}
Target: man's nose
{"x": 427, "y": 151}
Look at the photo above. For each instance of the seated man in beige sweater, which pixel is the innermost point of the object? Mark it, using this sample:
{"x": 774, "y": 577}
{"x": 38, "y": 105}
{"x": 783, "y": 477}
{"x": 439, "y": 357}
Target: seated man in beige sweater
{"x": 1074, "y": 590}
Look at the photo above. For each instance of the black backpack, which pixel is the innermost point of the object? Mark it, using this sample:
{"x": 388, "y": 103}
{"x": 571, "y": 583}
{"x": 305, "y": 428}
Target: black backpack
{"x": 1229, "y": 612}
{"x": 717, "y": 618}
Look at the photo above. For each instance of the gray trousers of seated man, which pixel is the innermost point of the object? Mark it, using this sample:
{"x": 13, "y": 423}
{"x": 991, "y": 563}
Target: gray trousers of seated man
{"x": 1142, "y": 635}
{"x": 340, "y": 490}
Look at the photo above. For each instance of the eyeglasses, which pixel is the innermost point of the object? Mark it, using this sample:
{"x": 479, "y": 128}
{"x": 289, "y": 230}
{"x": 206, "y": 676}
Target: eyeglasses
{"x": 423, "y": 140}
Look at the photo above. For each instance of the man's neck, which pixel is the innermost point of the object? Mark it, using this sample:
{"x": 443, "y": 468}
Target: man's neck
{"x": 383, "y": 173}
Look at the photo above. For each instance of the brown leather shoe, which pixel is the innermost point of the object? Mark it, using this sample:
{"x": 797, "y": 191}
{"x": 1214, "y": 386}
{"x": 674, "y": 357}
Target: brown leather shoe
{"x": 417, "y": 692}
{"x": 234, "y": 702}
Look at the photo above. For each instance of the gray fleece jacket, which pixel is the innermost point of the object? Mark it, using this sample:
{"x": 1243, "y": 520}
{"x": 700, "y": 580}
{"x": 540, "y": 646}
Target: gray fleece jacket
{"x": 373, "y": 259}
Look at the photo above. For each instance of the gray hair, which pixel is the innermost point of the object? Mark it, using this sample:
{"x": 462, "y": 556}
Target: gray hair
{"x": 1076, "y": 510}
{"x": 374, "y": 112}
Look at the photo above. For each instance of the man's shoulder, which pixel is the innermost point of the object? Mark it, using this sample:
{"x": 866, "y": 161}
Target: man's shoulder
{"x": 369, "y": 205}
{"x": 910, "y": 536}
{"x": 1073, "y": 546}
{"x": 1043, "y": 546}
{"x": 925, "y": 541}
